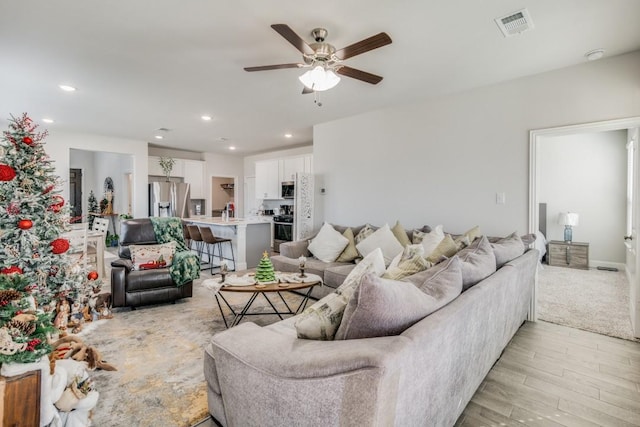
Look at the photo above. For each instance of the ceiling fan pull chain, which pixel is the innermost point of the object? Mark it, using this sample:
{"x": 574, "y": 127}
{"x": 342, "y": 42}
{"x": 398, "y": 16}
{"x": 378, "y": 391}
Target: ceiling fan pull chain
{"x": 316, "y": 100}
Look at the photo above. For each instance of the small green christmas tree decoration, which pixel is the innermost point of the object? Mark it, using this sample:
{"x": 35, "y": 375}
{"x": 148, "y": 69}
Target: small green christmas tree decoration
{"x": 93, "y": 208}
{"x": 264, "y": 272}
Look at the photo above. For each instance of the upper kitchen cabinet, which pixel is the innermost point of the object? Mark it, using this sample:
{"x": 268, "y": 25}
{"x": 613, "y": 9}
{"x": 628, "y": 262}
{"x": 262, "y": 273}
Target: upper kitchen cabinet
{"x": 154, "y": 167}
{"x": 268, "y": 183}
{"x": 290, "y": 167}
{"x": 194, "y": 175}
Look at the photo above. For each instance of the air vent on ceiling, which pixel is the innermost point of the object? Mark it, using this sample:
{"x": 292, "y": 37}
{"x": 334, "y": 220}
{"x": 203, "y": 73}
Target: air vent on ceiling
{"x": 515, "y": 23}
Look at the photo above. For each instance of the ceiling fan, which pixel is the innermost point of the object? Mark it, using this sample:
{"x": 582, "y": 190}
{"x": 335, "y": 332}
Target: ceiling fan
{"x": 324, "y": 60}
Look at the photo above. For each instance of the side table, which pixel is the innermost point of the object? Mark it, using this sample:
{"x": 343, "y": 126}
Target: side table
{"x": 569, "y": 254}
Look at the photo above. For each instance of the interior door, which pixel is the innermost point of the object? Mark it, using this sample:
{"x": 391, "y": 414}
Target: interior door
{"x": 630, "y": 239}
{"x": 75, "y": 194}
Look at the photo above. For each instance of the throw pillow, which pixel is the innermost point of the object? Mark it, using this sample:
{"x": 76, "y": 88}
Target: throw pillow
{"x": 473, "y": 233}
{"x": 445, "y": 249}
{"x": 409, "y": 262}
{"x": 507, "y": 249}
{"x": 478, "y": 262}
{"x": 429, "y": 240}
{"x": 365, "y": 232}
{"x": 350, "y": 253}
{"x": 328, "y": 244}
{"x": 146, "y": 257}
{"x": 321, "y": 320}
{"x": 382, "y": 307}
{"x": 384, "y": 239}
{"x": 401, "y": 234}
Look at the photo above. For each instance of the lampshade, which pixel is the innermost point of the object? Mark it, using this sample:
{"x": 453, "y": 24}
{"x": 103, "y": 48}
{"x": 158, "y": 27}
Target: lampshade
{"x": 568, "y": 218}
{"x": 319, "y": 79}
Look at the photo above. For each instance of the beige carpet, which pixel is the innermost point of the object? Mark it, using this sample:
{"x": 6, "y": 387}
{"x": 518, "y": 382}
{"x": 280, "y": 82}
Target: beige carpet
{"x": 593, "y": 300}
{"x": 158, "y": 351}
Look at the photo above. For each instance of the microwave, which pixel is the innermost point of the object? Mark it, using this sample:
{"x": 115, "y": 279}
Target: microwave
{"x": 287, "y": 190}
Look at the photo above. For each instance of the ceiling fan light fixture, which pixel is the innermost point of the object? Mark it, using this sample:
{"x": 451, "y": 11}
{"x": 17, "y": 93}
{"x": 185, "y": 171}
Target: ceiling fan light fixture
{"x": 320, "y": 79}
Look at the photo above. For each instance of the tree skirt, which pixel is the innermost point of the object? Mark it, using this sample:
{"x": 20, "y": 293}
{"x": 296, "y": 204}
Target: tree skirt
{"x": 593, "y": 300}
{"x": 158, "y": 351}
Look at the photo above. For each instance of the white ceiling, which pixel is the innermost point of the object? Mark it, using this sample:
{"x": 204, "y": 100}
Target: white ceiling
{"x": 140, "y": 65}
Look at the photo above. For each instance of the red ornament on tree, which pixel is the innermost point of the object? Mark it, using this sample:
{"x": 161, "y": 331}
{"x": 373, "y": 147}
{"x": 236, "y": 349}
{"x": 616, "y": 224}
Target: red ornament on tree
{"x": 13, "y": 208}
{"x": 14, "y": 269}
{"x": 93, "y": 275}
{"x": 48, "y": 189}
{"x": 59, "y": 246}
{"x": 25, "y": 224}
{"x": 7, "y": 173}
{"x": 27, "y": 140}
{"x": 55, "y": 207}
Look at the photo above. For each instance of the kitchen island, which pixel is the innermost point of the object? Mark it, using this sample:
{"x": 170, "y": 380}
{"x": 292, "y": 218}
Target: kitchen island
{"x": 250, "y": 237}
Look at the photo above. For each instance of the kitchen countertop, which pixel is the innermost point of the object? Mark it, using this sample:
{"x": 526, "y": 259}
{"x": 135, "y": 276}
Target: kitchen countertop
{"x": 231, "y": 222}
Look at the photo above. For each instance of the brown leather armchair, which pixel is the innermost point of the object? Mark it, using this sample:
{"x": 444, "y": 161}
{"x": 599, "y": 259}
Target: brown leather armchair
{"x": 133, "y": 288}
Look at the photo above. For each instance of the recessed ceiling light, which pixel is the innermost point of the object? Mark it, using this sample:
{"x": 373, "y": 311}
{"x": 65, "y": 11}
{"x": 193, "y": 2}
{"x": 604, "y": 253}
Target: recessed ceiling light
{"x": 594, "y": 54}
{"x": 206, "y": 118}
{"x": 288, "y": 135}
{"x": 47, "y": 120}
{"x": 67, "y": 88}
{"x": 232, "y": 148}
{"x": 159, "y": 137}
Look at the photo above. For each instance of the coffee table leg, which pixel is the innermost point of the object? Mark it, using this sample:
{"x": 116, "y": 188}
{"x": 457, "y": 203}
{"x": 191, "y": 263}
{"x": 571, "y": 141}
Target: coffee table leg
{"x": 285, "y": 303}
{"x": 224, "y": 318}
{"x": 275, "y": 310}
{"x": 303, "y": 303}
{"x": 245, "y": 309}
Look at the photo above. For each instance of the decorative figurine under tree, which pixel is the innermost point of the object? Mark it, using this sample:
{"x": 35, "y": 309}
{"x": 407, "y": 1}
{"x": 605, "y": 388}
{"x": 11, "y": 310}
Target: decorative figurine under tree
{"x": 35, "y": 273}
{"x": 265, "y": 272}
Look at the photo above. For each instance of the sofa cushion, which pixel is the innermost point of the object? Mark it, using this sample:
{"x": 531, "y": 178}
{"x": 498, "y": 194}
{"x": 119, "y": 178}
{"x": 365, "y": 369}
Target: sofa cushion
{"x": 364, "y": 232}
{"x": 401, "y": 234}
{"x": 328, "y": 244}
{"x": 382, "y": 307}
{"x": 350, "y": 252}
{"x": 335, "y": 275}
{"x": 409, "y": 262}
{"x": 446, "y": 248}
{"x": 147, "y": 257}
{"x": 507, "y": 249}
{"x": 429, "y": 240}
{"x": 384, "y": 239}
{"x": 312, "y": 266}
{"x": 478, "y": 262}
{"x": 320, "y": 321}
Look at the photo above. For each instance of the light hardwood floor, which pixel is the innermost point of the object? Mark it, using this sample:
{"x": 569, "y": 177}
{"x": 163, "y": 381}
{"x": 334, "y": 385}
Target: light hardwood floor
{"x": 553, "y": 376}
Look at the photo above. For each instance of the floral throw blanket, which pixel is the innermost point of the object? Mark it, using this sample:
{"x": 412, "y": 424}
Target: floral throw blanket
{"x": 185, "y": 266}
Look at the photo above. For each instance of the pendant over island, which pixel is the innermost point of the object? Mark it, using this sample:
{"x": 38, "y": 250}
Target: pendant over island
{"x": 250, "y": 237}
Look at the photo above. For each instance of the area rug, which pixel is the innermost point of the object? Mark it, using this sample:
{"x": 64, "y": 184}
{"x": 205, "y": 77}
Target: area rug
{"x": 593, "y": 300}
{"x": 158, "y": 351}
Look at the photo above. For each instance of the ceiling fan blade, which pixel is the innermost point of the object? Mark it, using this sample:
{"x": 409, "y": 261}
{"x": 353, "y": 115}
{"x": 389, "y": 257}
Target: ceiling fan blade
{"x": 363, "y": 46}
{"x": 273, "y": 67}
{"x": 306, "y": 90}
{"x": 285, "y": 31}
{"x": 359, "y": 74}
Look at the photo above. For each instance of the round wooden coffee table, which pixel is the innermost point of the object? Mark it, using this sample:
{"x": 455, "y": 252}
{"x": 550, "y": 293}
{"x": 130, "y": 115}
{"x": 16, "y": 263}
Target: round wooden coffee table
{"x": 264, "y": 290}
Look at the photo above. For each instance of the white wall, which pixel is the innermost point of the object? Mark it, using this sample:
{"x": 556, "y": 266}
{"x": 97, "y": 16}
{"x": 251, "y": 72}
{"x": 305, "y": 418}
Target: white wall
{"x": 58, "y": 145}
{"x": 587, "y": 174}
{"x": 443, "y": 160}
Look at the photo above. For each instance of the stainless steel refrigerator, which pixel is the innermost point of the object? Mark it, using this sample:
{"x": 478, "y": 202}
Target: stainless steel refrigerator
{"x": 169, "y": 199}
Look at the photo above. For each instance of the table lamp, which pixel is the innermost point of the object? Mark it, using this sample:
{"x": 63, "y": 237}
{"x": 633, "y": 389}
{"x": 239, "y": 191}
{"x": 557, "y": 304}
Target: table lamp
{"x": 568, "y": 219}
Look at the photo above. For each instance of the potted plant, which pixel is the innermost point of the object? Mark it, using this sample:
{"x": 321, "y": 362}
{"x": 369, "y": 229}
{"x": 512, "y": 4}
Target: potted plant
{"x": 166, "y": 163}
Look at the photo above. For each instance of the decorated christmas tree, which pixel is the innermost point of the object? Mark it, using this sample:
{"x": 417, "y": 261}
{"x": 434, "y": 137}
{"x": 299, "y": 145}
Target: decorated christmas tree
{"x": 264, "y": 272}
{"x": 92, "y": 208}
{"x": 36, "y": 276}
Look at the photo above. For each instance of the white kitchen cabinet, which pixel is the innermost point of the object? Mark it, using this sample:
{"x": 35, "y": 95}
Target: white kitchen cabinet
{"x": 268, "y": 182}
{"x": 194, "y": 175}
{"x": 155, "y": 169}
{"x": 290, "y": 167}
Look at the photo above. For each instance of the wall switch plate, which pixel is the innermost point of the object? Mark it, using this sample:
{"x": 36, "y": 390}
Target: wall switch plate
{"x": 501, "y": 198}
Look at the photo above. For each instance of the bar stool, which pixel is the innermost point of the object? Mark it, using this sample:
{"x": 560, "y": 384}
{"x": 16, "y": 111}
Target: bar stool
{"x": 196, "y": 237}
{"x": 212, "y": 242}
{"x": 185, "y": 232}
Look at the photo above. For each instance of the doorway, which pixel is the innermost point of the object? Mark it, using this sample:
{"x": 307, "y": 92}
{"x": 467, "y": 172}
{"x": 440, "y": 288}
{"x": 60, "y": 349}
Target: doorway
{"x": 75, "y": 194}
{"x": 223, "y": 191}
{"x": 536, "y": 140}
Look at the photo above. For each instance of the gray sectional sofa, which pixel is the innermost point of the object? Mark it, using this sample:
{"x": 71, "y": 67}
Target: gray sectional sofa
{"x": 425, "y": 376}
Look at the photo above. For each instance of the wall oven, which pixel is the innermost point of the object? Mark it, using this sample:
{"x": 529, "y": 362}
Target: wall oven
{"x": 282, "y": 230}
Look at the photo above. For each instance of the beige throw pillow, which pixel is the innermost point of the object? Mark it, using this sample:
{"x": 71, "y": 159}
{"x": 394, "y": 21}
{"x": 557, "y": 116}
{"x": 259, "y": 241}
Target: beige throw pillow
{"x": 365, "y": 232}
{"x": 321, "y": 320}
{"x": 147, "y": 257}
{"x": 409, "y": 262}
{"x": 400, "y": 234}
{"x": 445, "y": 249}
{"x": 328, "y": 244}
{"x": 384, "y": 239}
{"x": 429, "y": 240}
{"x": 350, "y": 253}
